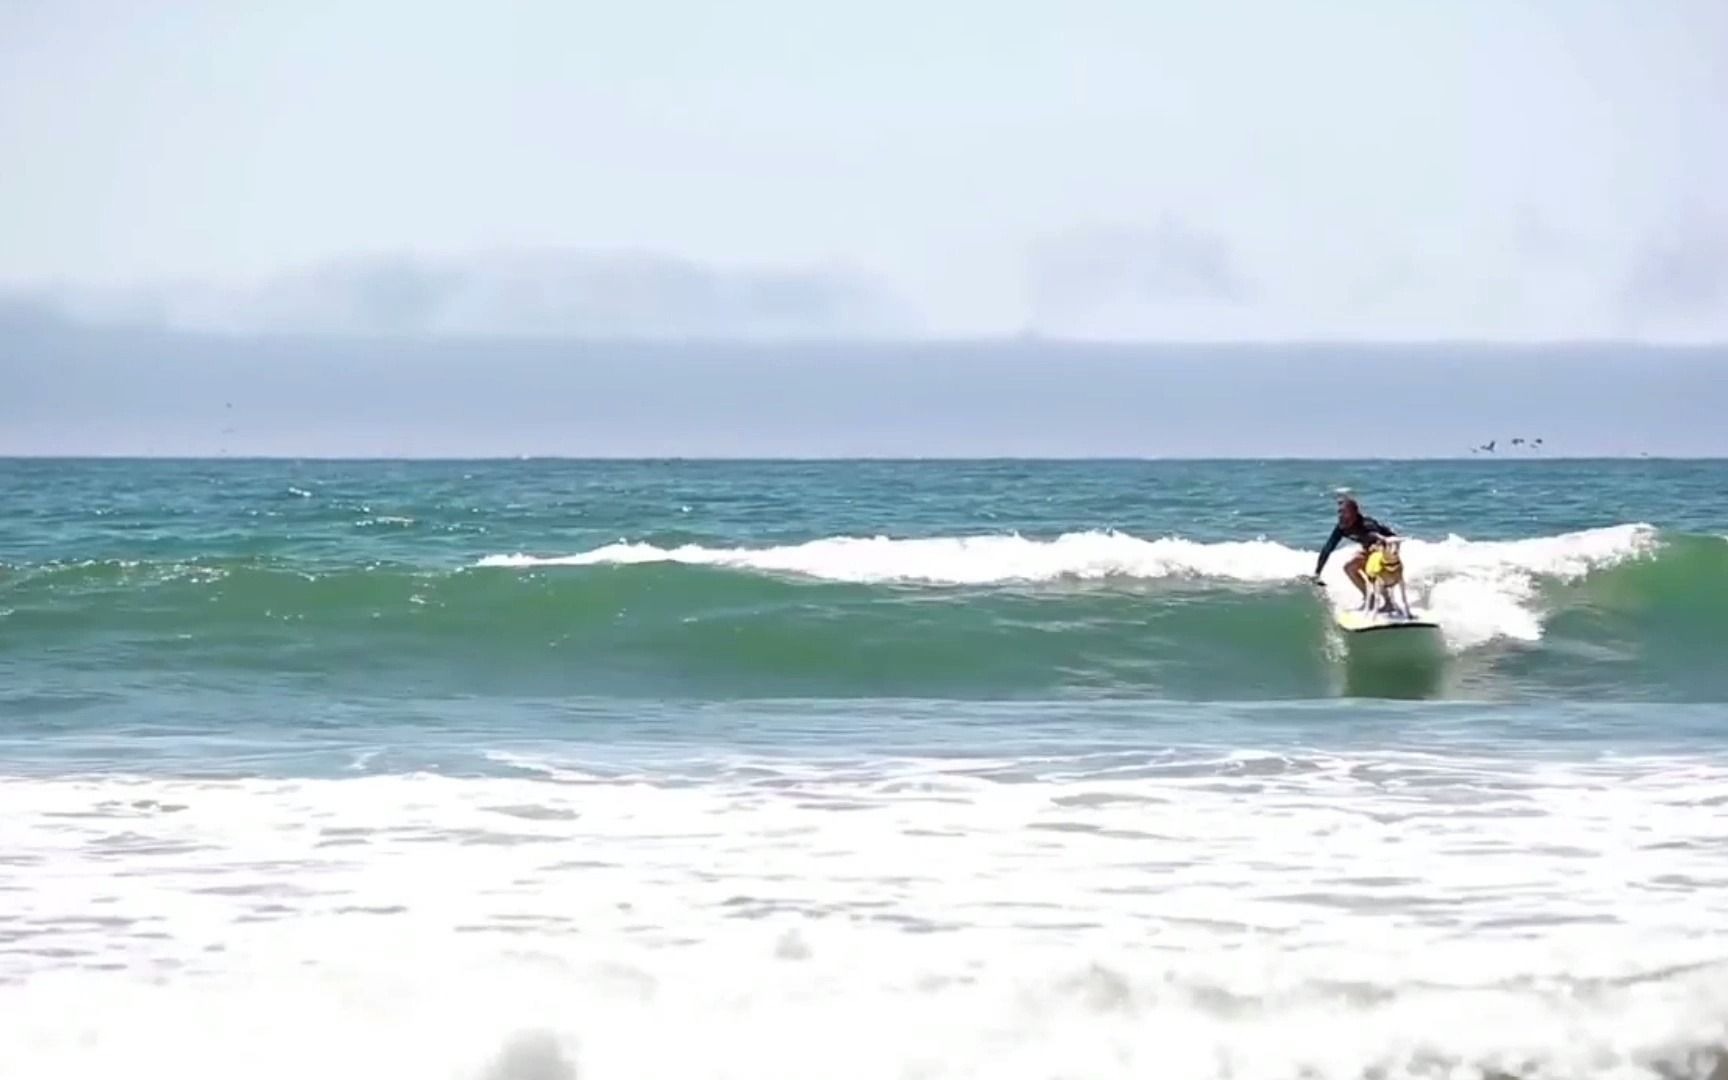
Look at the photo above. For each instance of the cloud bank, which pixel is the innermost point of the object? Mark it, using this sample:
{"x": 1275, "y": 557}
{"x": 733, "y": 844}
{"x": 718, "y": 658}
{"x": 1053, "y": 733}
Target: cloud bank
{"x": 559, "y": 293}
{"x": 1173, "y": 279}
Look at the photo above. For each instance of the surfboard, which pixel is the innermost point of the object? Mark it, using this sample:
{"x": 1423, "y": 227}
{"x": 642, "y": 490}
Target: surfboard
{"x": 1354, "y": 621}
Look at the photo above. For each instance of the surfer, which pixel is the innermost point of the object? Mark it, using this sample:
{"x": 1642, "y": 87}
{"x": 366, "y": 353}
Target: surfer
{"x": 1355, "y": 526}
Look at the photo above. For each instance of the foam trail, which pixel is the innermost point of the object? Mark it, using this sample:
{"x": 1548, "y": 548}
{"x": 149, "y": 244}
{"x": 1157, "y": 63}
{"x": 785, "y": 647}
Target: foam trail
{"x": 1481, "y": 590}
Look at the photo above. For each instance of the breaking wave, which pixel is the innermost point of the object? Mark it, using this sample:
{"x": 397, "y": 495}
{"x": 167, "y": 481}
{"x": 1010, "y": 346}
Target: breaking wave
{"x": 1618, "y": 610}
{"x": 1480, "y": 590}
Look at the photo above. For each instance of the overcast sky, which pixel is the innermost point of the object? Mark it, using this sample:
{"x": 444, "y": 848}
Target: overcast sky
{"x": 1230, "y": 169}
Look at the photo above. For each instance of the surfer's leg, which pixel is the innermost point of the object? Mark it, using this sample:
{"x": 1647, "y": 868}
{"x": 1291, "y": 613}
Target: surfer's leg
{"x": 1353, "y": 571}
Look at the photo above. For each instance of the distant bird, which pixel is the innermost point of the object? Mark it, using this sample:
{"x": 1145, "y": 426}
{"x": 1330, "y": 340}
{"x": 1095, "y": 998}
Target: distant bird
{"x": 1517, "y": 442}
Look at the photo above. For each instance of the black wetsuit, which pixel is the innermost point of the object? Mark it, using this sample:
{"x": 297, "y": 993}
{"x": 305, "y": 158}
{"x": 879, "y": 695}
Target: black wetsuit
{"x": 1362, "y": 532}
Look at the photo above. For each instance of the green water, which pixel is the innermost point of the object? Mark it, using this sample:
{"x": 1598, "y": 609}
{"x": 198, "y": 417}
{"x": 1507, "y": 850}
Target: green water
{"x": 1555, "y": 580}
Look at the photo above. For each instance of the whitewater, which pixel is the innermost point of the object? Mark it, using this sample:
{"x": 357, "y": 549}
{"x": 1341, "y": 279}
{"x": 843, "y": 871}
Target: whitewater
{"x": 1109, "y": 915}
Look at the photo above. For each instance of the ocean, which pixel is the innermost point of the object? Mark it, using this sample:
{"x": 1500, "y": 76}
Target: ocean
{"x": 547, "y": 769}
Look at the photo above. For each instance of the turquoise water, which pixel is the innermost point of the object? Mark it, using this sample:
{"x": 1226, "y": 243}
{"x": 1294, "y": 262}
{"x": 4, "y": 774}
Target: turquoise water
{"x": 1026, "y": 762}
{"x": 1562, "y": 582}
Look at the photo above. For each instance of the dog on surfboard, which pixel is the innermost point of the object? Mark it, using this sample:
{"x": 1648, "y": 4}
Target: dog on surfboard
{"x": 1384, "y": 574}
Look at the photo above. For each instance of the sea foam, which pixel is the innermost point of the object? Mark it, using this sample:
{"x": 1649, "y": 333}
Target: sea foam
{"x": 1216, "y": 914}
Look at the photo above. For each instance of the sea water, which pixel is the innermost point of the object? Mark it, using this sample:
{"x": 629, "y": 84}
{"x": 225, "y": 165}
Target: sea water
{"x": 538, "y": 770}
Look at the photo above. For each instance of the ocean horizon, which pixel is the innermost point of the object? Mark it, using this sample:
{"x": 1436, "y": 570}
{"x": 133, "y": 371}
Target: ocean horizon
{"x": 84, "y": 390}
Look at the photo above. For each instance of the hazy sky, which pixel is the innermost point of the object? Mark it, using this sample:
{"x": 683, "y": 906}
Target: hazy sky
{"x": 1232, "y": 168}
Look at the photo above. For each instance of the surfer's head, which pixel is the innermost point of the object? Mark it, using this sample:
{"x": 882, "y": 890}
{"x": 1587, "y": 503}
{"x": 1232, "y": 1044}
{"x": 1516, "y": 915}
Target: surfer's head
{"x": 1348, "y": 511}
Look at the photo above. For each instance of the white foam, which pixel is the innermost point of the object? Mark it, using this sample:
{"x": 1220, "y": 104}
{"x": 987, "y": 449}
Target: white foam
{"x": 1328, "y": 915}
{"x": 1480, "y": 590}
{"x": 972, "y": 560}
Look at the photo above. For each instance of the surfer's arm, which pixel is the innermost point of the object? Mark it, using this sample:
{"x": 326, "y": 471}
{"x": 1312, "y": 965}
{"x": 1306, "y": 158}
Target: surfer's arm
{"x": 1326, "y": 552}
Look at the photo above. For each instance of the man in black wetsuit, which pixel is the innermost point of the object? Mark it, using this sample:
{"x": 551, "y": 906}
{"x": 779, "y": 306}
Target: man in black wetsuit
{"x": 1355, "y": 526}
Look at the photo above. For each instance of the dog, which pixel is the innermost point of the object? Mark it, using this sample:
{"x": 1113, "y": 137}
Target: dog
{"x": 1384, "y": 573}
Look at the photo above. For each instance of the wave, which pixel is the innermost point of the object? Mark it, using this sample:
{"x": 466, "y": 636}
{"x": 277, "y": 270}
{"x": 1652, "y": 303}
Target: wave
{"x": 1593, "y": 611}
{"x": 1481, "y": 590}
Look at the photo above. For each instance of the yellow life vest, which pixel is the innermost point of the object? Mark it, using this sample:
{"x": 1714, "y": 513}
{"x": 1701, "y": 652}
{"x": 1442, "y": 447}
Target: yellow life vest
{"x": 1383, "y": 562}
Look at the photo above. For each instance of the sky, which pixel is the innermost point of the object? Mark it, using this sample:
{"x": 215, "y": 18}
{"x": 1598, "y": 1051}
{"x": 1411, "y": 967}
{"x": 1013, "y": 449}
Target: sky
{"x": 1500, "y": 170}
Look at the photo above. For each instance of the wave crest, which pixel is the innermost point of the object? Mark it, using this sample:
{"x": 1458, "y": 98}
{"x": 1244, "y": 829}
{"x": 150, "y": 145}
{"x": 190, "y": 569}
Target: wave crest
{"x": 1480, "y": 590}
